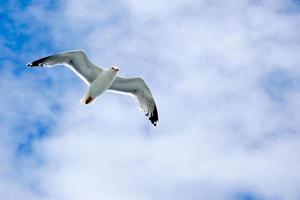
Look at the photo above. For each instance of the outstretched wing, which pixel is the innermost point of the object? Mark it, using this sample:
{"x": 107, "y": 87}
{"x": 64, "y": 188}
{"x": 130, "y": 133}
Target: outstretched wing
{"x": 138, "y": 88}
{"x": 77, "y": 61}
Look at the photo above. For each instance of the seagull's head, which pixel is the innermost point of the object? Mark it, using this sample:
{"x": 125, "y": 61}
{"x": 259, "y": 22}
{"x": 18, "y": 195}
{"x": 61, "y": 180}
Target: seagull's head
{"x": 115, "y": 69}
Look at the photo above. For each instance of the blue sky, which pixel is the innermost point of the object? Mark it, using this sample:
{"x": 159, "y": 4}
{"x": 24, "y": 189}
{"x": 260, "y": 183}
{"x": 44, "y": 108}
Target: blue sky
{"x": 225, "y": 77}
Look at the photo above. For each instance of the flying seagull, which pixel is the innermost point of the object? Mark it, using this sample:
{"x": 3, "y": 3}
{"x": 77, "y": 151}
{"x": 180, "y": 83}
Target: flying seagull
{"x": 100, "y": 80}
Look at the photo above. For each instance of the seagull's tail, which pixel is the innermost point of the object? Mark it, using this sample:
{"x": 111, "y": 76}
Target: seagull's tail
{"x": 87, "y": 99}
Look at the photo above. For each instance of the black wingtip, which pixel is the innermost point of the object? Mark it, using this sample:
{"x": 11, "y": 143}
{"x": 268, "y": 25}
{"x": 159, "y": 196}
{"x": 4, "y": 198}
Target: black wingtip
{"x": 38, "y": 63}
{"x": 154, "y": 117}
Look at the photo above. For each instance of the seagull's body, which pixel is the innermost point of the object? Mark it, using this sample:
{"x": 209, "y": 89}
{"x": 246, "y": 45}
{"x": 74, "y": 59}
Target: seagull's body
{"x": 100, "y": 80}
{"x": 103, "y": 81}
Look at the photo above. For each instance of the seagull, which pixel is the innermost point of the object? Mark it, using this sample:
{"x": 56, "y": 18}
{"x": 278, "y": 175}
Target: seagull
{"x": 99, "y": 80}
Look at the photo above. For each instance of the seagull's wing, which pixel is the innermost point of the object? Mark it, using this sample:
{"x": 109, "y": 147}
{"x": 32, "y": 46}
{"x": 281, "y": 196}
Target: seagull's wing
{"x": 77, "y": 61}
{"x": 138, "y": 88}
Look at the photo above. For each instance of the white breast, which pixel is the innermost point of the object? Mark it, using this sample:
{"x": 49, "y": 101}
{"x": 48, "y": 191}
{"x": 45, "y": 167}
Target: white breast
{"x": 102, "y": 82}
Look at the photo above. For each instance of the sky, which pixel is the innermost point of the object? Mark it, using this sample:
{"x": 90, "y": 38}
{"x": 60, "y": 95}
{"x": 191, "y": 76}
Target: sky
{"x": 225, "y": 76}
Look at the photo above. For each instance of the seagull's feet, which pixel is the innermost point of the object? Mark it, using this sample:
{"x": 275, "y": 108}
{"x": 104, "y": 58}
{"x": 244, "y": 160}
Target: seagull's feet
{"x": 88, "y": 100}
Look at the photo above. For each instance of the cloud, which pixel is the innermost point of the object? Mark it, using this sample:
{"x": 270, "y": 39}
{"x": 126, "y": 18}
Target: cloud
{"x": 216, "y": 70}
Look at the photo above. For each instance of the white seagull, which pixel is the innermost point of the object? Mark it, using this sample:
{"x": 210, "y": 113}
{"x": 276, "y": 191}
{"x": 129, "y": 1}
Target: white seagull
{"x": 100, "y": 80}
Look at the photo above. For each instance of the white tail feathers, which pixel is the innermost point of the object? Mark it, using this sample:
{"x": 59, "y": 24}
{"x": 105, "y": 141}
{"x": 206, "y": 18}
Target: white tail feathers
{"x": 87, "y": 99}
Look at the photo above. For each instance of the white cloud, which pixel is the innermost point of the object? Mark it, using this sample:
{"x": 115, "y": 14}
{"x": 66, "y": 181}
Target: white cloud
{"x": 219, "y": 133}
